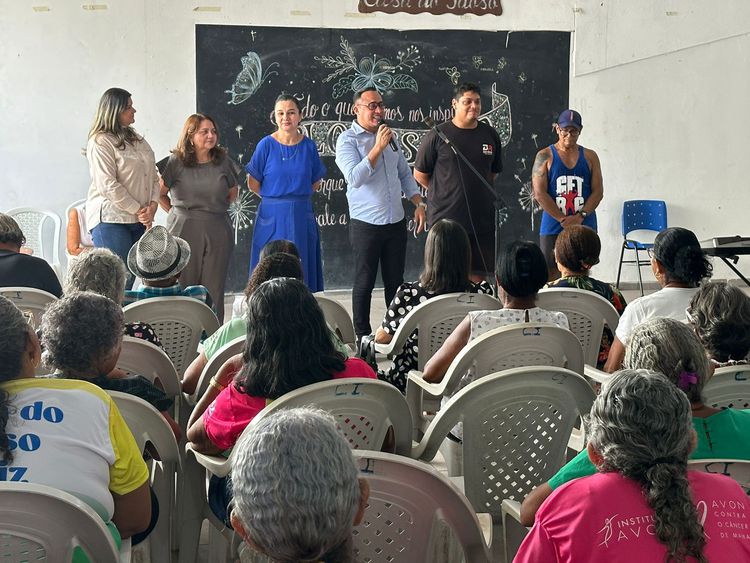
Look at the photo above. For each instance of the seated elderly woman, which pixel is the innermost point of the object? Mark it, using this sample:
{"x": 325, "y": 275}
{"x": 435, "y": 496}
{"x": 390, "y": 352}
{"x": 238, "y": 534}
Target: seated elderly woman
{"x": 642, "y": 504}
{"x": 679, "y": 265}
{"x": 82, "y": 337}
{"x": 81, "y": 445}
{"x": 102, "y": 271}
{"x": 21, "y": 270}
{"x": 288, "y": 345}
{"x": 720, "y": 315}
{"x": 447, "y": 264}
{"x": 297, "y": 494}
{"x": 671, "y": 348}
{"x": 577, "y": 250}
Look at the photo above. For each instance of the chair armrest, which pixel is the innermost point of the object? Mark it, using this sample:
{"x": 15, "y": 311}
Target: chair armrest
{"x": 434, "y": 389}
{"x": 512, "y": 508}
{"x": 596, "y": 374}
{"x": 385, "y": 349}
{"x": 216, "y": 465}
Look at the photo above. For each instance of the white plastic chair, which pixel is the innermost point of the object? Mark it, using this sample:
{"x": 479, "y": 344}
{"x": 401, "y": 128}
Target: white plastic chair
{"x": 729, "y": 388}
{"x": 179, "y": 323}
{"x": 364, "y": 410}
{"x": 144, "y": 358}
{"x": 588, "y": 313}
{"x": 33, "y": 223}
{"x": 29, "y": 300}
{"x": 149, "y": 428}
{"x": 516, "y": 427}
{"x": 435, "y": 320}
{"x": 231, "y": 348}
{"x": 338, "y": 319}
{"x": 43, "y": 523}
{"x": 737, "y": 469}
{"x": 407, "y": 499}
{"x": 518, "y": 345}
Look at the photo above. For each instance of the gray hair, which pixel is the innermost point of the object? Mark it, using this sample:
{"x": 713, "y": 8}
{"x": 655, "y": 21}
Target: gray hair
{"x": 641, "y": 426}
{"x": 79, "y": 330}
{"x": 14, "y": 335}
{"x": 10, "y": 232}
{"x": 720, "y": 315}
{"x": 671, "y": 348}
{"x": 99, "y": 270}
{"x": 295, "y": 486}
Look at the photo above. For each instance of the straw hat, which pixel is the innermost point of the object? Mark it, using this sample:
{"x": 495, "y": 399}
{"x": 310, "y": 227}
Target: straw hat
{"x": 158, "y": 255}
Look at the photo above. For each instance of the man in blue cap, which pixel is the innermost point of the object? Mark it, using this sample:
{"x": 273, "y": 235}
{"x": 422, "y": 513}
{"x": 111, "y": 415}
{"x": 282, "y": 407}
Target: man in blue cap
{"x": 567, "y": 183}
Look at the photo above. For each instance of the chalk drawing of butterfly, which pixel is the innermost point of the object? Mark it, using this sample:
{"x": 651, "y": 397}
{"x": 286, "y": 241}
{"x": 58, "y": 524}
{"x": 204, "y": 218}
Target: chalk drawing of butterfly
{"x": 452, "y": 72}
{"x": 250, "y": 78}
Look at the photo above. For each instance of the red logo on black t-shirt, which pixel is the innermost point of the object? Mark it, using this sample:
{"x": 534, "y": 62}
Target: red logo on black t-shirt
{"x": 487, "y": 149}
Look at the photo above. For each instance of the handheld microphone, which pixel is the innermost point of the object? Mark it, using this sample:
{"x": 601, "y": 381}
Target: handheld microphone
{"x": 392, "y": 142}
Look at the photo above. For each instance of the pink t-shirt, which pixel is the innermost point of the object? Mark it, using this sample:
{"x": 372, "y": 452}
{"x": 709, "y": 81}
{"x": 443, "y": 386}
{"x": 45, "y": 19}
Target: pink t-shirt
{"x": 232, "y": 410}
{"x": 605, "y": 518}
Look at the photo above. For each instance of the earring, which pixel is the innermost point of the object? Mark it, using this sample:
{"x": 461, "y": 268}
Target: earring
{"x": 36, "y": 362}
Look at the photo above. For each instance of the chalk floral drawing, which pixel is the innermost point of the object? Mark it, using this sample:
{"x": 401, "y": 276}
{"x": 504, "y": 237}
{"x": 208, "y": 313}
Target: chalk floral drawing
{"x": 250, "y": 78}
{"x": 242, "y": 211}
{"x": 527, "y": 201}
{"x": 352, "y": 75}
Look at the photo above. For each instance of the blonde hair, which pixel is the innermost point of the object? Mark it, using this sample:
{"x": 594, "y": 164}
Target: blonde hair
{"x": 107, "y": 119}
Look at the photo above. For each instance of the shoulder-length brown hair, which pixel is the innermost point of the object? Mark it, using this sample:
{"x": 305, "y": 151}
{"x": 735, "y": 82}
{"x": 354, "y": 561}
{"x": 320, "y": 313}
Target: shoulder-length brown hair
{"x": 185, "y": 150}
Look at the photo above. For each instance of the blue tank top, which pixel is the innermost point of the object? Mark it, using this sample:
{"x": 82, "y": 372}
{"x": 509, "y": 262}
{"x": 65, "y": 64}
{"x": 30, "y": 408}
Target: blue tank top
{"x": 569, "y": 188}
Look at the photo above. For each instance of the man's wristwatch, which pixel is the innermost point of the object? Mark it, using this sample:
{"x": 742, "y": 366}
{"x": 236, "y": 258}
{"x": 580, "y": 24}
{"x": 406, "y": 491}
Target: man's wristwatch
{"x": 582, "y": 213}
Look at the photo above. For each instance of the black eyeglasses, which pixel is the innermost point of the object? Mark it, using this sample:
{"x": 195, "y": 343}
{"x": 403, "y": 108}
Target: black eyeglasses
{"x": 372, "y": 106}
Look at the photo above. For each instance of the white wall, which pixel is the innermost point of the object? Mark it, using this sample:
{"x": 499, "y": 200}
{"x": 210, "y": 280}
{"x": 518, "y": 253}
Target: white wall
{"x": 661, "y": 85}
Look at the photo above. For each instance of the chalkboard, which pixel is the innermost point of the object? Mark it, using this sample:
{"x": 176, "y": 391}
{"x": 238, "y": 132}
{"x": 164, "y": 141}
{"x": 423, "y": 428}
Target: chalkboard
{"x": 241, "y": 69}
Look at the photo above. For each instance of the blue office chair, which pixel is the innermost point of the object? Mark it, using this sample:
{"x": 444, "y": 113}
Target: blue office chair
{"x": 642, "y": 220}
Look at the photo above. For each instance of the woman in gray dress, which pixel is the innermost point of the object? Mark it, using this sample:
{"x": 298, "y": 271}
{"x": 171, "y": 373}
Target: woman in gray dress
{"x": 198, "y": 184}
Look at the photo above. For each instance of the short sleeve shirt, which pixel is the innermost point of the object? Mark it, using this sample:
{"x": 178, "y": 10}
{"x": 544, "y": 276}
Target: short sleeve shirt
{"x": 69, "y": 434}
{"x": 445, "y": 197}
{"x": 669, "y": 302}
{"x": 201, "y": 187}
{"x": 232, "y": 410}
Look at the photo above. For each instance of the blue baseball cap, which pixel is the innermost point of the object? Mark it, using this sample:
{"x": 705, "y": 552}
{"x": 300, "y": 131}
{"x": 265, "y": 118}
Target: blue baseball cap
{"x": 570, "y": 118}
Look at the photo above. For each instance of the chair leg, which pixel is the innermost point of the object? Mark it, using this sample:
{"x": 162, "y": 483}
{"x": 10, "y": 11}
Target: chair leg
{"x": 619, "y": 266}
{"x": 638, "y": 265}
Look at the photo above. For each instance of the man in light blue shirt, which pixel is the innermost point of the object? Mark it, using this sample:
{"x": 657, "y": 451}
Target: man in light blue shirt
{"x": 376, "y": 173}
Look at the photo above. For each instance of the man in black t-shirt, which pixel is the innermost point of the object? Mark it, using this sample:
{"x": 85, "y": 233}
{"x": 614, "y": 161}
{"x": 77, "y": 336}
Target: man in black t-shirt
{"x": 453, "y": 191}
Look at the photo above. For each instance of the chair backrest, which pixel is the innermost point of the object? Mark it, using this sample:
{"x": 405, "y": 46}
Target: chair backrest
{"x": 518, "y": 345}
{"x": 407, "y": 499}
{"x": 516, "y": 426}
{"x": 179, "y": 323}
{"x": 143, "y": 358}
{"x": 364, "y": 410}
{"x": 436, "y": 319}
{"x": 147, "y": 425}
{"x": 337, "y": 318}
{"x": 231, "y": 348}
{"x": 29, "y": 300}
{"x": 149, "y": 428}
{"x": 729, "y": 388}
{"x": 643, "y": 215}
{"x": 33, "y": 223}
{"x": 42, "y": 523}
{"x": 737, "y": 469}
{"x": 587, "y": 313}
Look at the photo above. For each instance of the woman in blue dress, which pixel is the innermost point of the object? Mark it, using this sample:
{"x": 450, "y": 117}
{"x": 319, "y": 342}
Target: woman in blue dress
{"x": 285, "y": 170}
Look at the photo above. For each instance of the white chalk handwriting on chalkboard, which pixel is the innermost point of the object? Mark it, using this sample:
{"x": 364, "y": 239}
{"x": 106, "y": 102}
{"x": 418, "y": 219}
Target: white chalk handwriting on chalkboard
{"x": 352, "y": 75}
